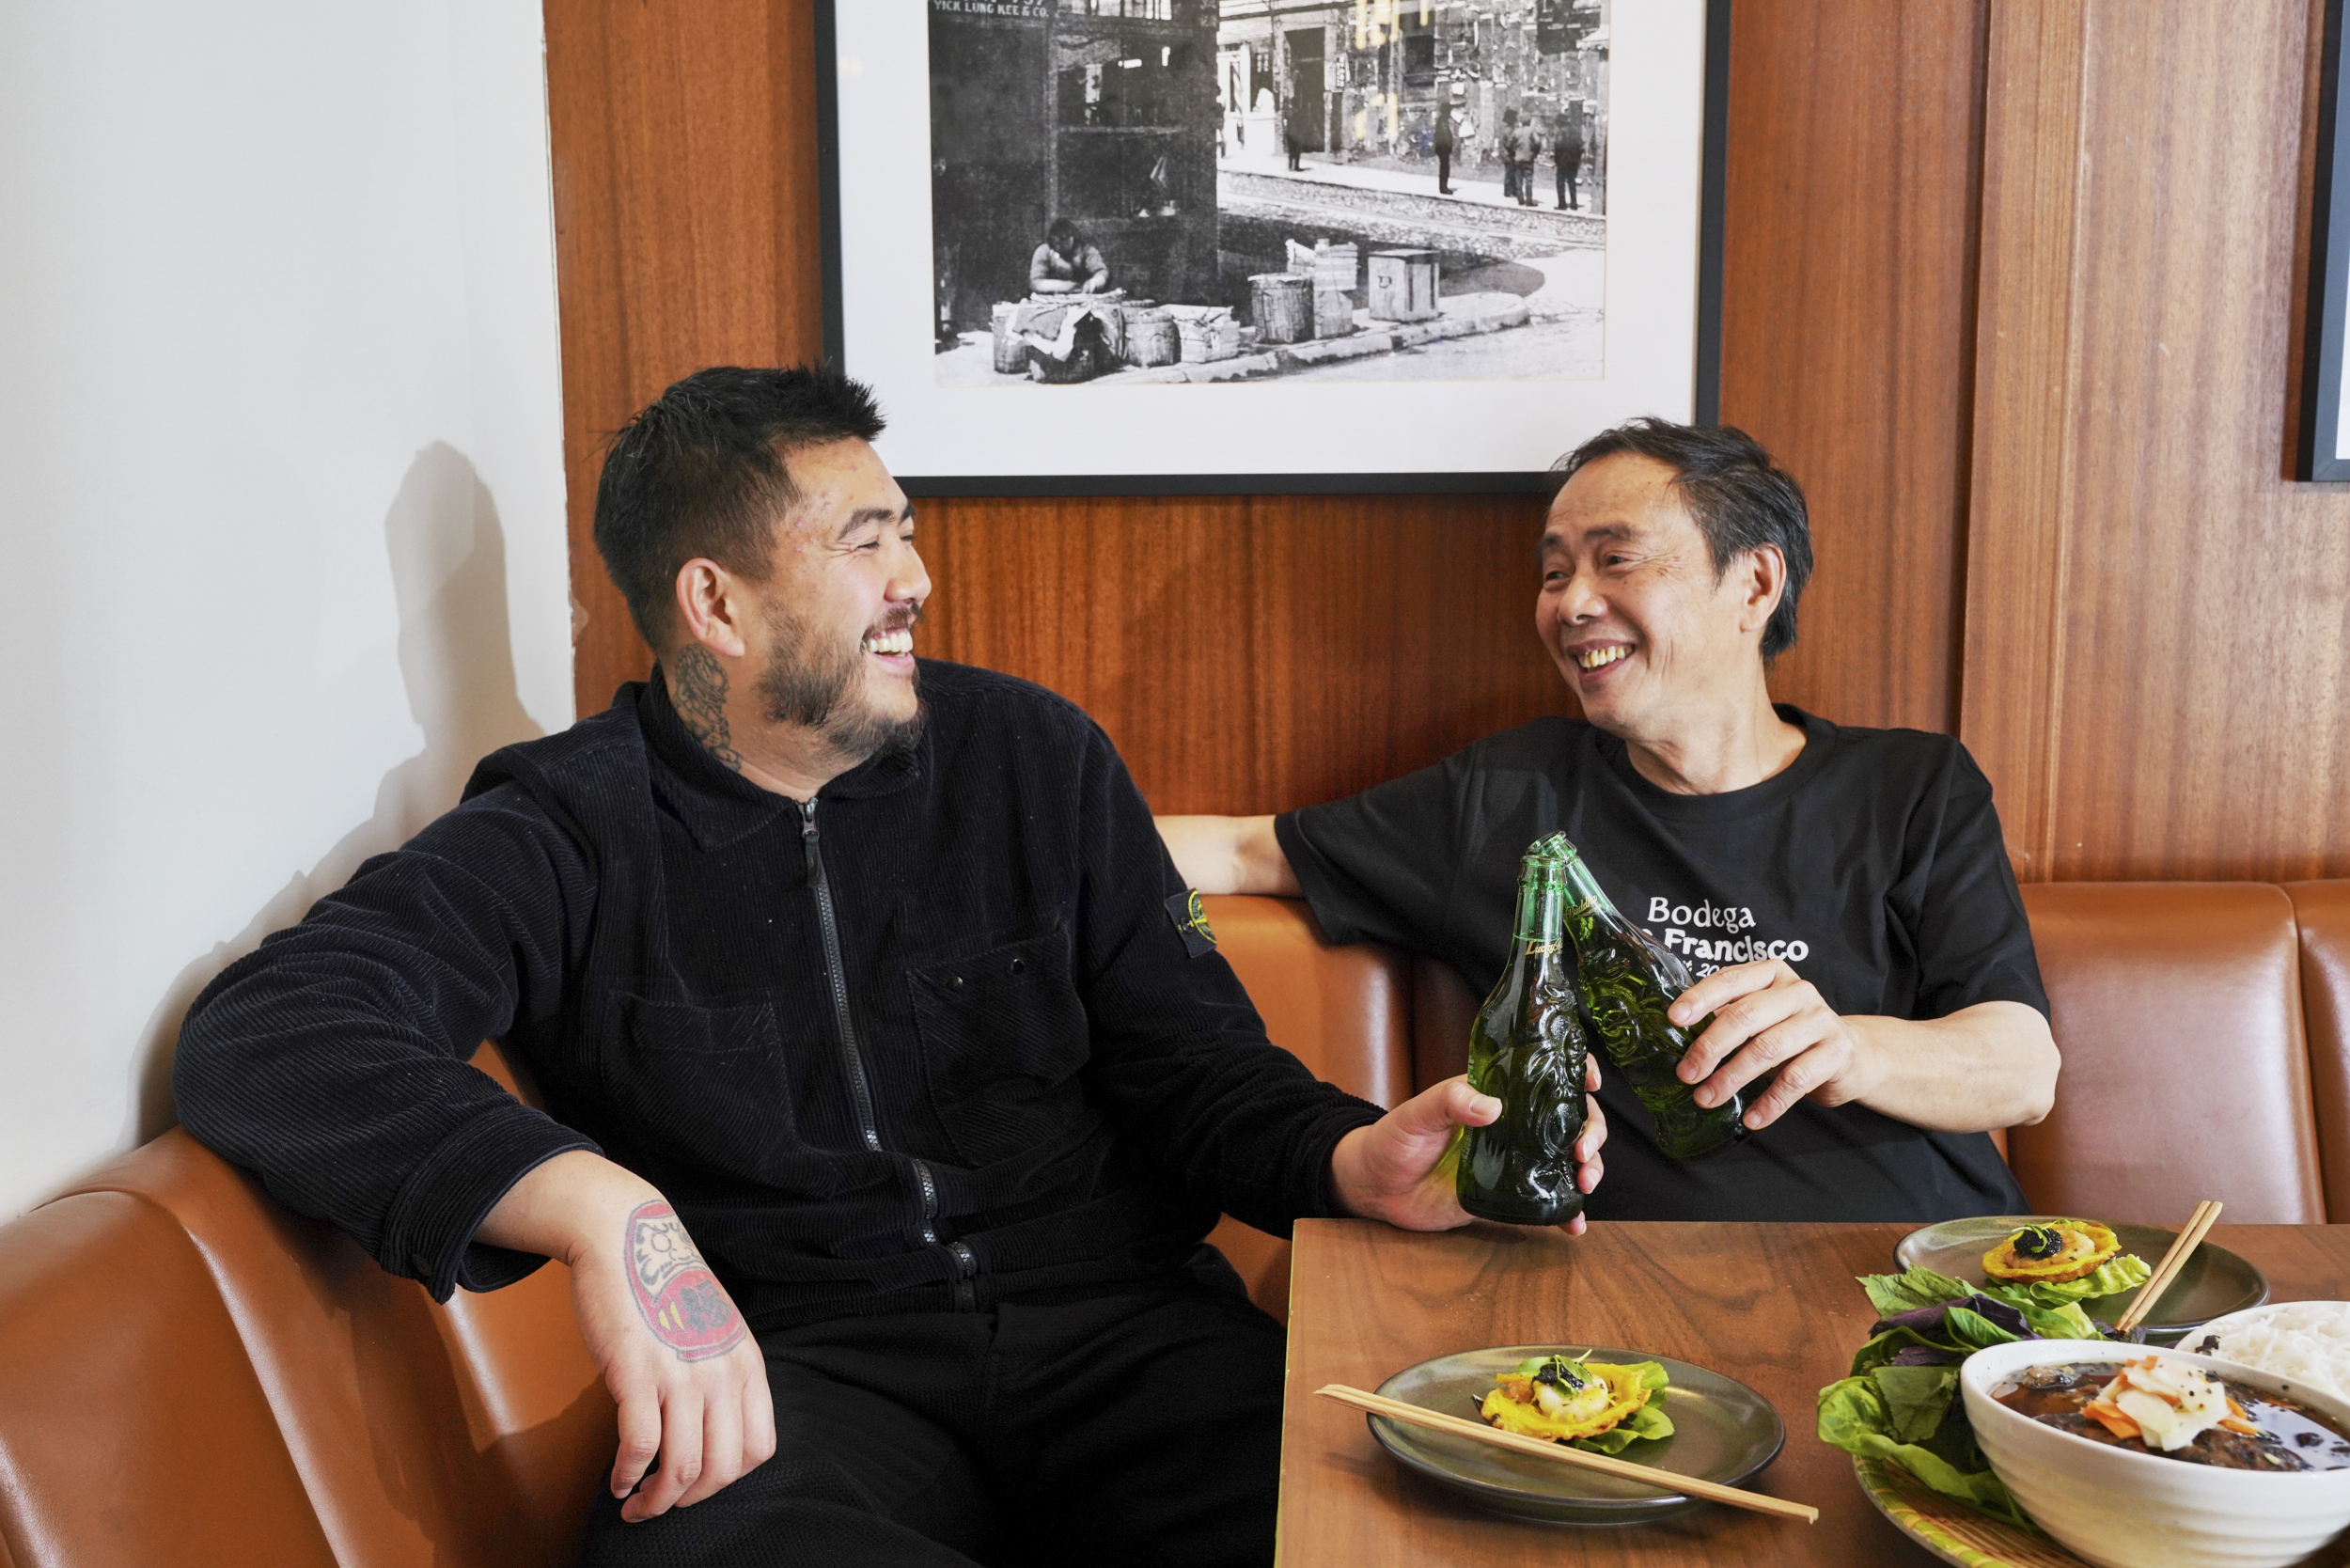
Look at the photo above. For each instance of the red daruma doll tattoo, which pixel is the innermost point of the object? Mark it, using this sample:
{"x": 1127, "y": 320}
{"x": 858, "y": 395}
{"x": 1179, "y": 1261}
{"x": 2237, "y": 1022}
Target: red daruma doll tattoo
{"x": 681, "y": 1301}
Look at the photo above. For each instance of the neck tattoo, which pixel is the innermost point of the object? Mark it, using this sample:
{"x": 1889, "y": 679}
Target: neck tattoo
{"x": 697, "y": 690}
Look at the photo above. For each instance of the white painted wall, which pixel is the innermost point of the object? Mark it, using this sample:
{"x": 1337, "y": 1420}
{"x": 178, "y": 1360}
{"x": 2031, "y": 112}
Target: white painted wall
{"x": 281, "y": 494}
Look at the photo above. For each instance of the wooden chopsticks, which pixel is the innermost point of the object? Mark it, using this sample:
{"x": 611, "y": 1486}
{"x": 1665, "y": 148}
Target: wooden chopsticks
{"x": 2190, "y": 1237}
{"x": 1396, "y": 1410}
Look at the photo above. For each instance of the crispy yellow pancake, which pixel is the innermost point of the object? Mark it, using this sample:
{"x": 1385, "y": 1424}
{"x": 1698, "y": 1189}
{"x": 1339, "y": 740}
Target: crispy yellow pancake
{"x": 1614, "y": 1395}
{"x": 2083, "y": 1247}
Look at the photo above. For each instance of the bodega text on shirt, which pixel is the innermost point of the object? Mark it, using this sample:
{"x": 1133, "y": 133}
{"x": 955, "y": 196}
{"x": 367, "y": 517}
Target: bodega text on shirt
{"x": 1684, "y": 924}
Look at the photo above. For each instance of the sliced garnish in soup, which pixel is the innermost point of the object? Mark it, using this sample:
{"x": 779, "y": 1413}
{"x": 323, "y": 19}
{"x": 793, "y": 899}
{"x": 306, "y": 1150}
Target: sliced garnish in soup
{"x": 2168, "y": 1407}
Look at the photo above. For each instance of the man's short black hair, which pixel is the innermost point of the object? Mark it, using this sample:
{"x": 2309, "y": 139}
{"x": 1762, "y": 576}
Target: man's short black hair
{"x": 1065, "y": 236}
{"x": 1738, "y": 498}
{"x": 704, "y": 471}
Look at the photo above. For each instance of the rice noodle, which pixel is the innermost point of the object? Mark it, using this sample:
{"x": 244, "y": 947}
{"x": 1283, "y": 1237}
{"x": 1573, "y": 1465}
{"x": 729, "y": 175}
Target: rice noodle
{"x": 2305, "y": 1340}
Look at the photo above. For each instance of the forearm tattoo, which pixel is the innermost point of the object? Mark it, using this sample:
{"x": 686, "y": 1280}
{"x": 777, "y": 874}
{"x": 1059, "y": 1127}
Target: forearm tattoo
{"x": 697, "y": 690}
{"x": 683, "y": 1302}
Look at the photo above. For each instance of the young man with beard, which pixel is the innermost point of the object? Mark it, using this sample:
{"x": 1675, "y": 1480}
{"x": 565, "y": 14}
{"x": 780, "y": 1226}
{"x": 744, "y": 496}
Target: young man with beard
{"x": 1843, "y": 895}
{"x": 889, "y": 1097}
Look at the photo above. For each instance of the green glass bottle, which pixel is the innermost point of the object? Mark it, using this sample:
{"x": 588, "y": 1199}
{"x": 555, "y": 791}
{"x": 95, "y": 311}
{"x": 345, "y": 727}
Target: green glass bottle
{"x": 1528, "y": 1050}
{"x": 1628, "y": 978}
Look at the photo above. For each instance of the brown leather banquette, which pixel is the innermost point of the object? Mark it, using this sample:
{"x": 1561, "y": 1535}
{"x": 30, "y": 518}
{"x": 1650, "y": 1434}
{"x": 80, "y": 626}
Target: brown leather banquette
{"x": 190, "y": 1375}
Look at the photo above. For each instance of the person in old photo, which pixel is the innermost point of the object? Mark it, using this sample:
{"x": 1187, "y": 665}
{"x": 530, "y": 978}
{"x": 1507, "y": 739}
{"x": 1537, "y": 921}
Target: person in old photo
{"x": 1566, "y": 152}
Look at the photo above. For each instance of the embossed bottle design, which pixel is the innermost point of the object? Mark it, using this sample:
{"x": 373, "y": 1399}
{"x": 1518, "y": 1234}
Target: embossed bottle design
{"x": 1628, "y": 978}
{"x": 1528, "y": 1050}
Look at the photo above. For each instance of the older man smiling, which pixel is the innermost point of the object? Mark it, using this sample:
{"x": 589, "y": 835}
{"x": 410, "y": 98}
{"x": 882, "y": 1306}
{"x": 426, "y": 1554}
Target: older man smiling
{"x": 1842, "y": 894}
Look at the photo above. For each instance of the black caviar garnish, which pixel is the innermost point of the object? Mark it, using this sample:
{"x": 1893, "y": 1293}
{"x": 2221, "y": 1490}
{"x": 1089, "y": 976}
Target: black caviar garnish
{"x": 2038, "y": 1240}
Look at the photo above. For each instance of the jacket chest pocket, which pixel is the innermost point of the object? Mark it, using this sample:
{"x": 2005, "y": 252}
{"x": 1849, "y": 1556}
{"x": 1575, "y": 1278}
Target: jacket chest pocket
{"x": 708, "y": 1085}
{"x": 1003, "y": 1035}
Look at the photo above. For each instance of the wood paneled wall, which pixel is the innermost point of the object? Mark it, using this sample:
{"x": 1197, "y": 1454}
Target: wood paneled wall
{"x": 1848, "y": 296}
{"x": 2013, "y": 288}
{"x": 2158, "y": 629}
{"x": 1254, "y": 653}
{"x": 683, "y": 136}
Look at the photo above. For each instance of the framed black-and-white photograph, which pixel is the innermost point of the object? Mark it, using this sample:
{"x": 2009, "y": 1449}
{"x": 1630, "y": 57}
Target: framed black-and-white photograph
{"x": 2325, "y": 398}
{"x": 1165, "y": 246}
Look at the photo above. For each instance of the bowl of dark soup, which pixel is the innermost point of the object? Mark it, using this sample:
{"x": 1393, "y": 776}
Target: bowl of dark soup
{"x": 2135, "y": 1456}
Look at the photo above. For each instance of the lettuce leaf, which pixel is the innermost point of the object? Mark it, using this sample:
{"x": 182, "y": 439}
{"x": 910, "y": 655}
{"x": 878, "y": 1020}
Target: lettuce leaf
{"x": 1892, "y": 1294}
{"x": 2067, "y": 1322}
{"x": 2125, "y": 1272}
{"x": 1854, "y": 1416}
{"x": 1647, "y": 1422}
{"x": 1941, "y": 1335}
{"x": 1900, "y": 1403}
{"x": 1888, "y": 1347}
{"x": 1975, "y": 1329}
{"x": 1650, "y": 1374}
{"x": 1915, "y": 1399}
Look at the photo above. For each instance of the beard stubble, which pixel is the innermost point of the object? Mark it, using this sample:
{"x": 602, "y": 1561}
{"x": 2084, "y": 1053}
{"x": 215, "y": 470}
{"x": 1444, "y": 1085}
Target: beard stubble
{"x": 822, "y": 691}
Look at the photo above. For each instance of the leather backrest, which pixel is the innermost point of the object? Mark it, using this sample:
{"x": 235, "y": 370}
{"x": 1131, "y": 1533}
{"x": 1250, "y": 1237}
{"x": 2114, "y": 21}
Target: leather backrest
{"x": 1443, "y": 1007}
{"x": 132, "y": 1431}
{"x": 2178, "y": 1008}
{"x": 1344, "y": 1011}
{"x": 2320, "y": 912}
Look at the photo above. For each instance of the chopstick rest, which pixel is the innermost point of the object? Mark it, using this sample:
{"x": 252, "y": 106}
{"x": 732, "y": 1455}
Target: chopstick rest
{"x": 1396, "y": 1410}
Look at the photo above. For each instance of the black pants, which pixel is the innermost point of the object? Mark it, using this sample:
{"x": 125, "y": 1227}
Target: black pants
{"x": 1135, "y": 1429}
{"x": 1444, "y": 171}
{"x": 1568, "y": 195}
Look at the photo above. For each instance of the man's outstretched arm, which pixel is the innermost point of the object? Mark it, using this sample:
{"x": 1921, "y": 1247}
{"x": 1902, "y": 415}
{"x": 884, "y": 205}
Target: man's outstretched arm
{"x": 1393, "y": 1168}
{"x": 1229, "y": 854}
{"x": 682, "y": 1366}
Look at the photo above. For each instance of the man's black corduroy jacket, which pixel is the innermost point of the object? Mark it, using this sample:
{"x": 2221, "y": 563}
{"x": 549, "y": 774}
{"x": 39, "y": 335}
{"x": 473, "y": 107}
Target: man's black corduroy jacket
{"x": 1001, "y": 1073}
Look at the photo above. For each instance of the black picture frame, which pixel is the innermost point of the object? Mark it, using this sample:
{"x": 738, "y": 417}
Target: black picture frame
{"x": 1708, "y": 322}
{"x": 2325, "y": 454}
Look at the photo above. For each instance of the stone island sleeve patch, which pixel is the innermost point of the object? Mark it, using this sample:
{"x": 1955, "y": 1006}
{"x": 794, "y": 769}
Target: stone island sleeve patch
{"x": 1191, "y": 921}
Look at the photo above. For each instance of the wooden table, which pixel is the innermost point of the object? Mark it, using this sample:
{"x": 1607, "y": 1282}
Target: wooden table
{"x": 1773, "y": 1306}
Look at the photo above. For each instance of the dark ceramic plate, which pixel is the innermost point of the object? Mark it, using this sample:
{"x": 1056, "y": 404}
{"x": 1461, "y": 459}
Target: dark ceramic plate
{"x": 2214, "y": 1284}
{"x": 1723, "y": 1431}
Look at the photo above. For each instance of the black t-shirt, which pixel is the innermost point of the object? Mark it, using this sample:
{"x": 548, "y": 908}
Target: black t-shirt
{"x": 1874, "y": 865}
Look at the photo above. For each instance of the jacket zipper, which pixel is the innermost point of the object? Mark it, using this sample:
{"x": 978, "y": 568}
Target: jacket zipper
{"x": 860, "y": 1092}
